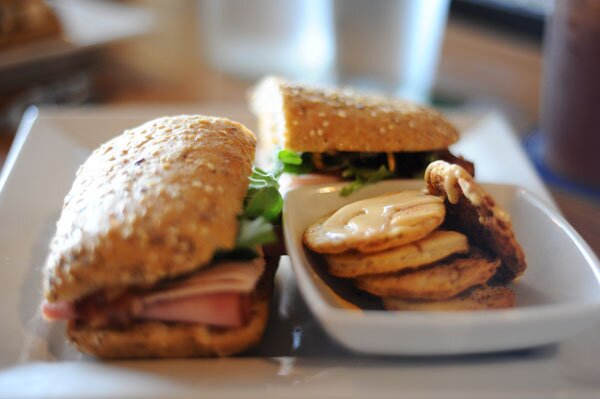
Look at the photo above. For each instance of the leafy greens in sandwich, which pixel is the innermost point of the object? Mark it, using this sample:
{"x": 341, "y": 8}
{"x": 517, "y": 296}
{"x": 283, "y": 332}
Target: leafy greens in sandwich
{"x": 341, "y": 134}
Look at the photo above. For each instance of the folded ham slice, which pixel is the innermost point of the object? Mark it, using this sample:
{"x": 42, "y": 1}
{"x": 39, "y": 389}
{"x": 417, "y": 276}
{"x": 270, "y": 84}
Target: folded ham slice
{"x": 288, "y": 181}
{"x": 216, "y": 296}
{"x": 240, "y": 277}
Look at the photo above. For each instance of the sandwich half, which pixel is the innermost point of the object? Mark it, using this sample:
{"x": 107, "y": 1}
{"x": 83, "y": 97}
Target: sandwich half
{"x": 157, "y": 250}
{"x": 324, "y": 135}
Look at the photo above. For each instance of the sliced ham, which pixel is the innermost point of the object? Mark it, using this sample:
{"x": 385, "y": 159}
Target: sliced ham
{"x": 223, "y": 309}
{"x": 288, "y": 181}
{"x": 229, "y": 276}
{"x": 58, "y": 311}
{"x": 216, "y": 296}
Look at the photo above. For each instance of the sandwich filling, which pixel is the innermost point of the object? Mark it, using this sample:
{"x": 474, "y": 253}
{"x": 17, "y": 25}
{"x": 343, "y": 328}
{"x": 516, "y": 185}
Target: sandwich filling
{"x": 361, "y": 168}
{"x": 219, "y": 295}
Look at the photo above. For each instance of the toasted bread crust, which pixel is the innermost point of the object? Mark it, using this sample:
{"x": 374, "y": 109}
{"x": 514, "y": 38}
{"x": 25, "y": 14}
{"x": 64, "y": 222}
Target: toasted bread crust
{"x": 440, "y": 281}
{"x": 479, "y": 298}
{"x": 488, "y": 225}
{"x": 308, "y": 119}
{"x": 152, "y": 203}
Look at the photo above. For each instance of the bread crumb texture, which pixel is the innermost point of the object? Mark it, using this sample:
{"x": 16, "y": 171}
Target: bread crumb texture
{"x": 320, "y": 120}
{"x": 152, "y": 203}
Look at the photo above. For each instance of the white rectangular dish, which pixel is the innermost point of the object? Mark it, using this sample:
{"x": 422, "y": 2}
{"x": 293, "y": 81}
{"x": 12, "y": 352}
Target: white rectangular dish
{"x": 296, "y": 359}
{"x": 553, "y": 301}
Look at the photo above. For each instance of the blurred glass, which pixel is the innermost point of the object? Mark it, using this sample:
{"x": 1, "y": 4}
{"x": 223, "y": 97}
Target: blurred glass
{"x": 571, "y": 94}
{"x": 390, "y": 45}
{"x": 252, "y": 38}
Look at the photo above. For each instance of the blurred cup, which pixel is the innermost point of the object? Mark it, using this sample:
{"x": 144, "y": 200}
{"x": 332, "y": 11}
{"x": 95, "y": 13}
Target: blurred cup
{"x": 570, "y": 122}
{"x": 391, "y": 46}
{"x": 292, "y": 38}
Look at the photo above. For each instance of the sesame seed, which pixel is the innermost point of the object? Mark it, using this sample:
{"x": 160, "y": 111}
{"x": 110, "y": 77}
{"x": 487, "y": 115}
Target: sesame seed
{"x": 411, "y": 124}
{"x": 325, "y": 123}
{"x": 319, "y": 132}
{"x": 322, "y": 114}
{"x": 295, "y": 122}
{"x": 382, "y": 130}
{"x": 373, "y": 114}
{"x": 208, "y": 188}
{"x": 312, "y": 132}
{"x": 210, "y": 166}
{"x": 197, "y": 183}
{"x": 390, "y": 126}
{"x": 341, "y": 113}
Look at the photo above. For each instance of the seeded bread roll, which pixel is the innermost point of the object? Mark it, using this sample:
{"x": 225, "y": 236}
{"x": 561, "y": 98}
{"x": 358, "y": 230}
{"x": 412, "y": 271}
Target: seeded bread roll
{"x": 152, "y": 203}
{"x": 307, "y": 119}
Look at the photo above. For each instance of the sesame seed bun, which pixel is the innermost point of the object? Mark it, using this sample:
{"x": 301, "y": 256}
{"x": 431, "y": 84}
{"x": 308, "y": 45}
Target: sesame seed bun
{"x": 153, "y": 203}
{"x": 310, "y": 119}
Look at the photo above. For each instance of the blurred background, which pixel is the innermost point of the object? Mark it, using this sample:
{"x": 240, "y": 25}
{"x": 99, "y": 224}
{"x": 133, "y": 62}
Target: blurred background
{"x": 535, "y": 61}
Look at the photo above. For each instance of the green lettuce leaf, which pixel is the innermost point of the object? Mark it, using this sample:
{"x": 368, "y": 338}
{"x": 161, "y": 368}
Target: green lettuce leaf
{"x": 263, "y": 198}
{"x": 290, "y": 157}
{"x": 254, "y": 232}
{"x": 362, "y": 177}
{"x": 262, "y": 208}
{"x": 296, "y": 163}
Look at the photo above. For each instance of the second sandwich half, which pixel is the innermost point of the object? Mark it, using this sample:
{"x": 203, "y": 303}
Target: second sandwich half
{"x": 157, "y": 251}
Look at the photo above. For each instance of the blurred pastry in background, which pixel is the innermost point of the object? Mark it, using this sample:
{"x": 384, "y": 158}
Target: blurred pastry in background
{"x": 23, "y": 21}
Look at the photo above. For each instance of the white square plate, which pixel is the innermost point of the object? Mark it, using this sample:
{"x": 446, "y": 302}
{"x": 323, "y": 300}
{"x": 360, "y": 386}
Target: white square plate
{"x": 559, "y": 294}
{"x": 296, "y": 358}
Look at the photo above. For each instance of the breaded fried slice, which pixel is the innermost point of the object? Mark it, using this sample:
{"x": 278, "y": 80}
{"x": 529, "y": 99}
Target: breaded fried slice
{"x": 436, "y": 246}
{"x": 472, "y": 211}
{"x": 442, "y": 280}
{"x": 478, "y": 298}
{"x": 377, "y": 223}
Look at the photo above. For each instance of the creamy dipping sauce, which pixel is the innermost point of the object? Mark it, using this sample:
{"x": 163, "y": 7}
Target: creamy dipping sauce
{"x": 455, "y": 176}
{"x": 378, "y": 214}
